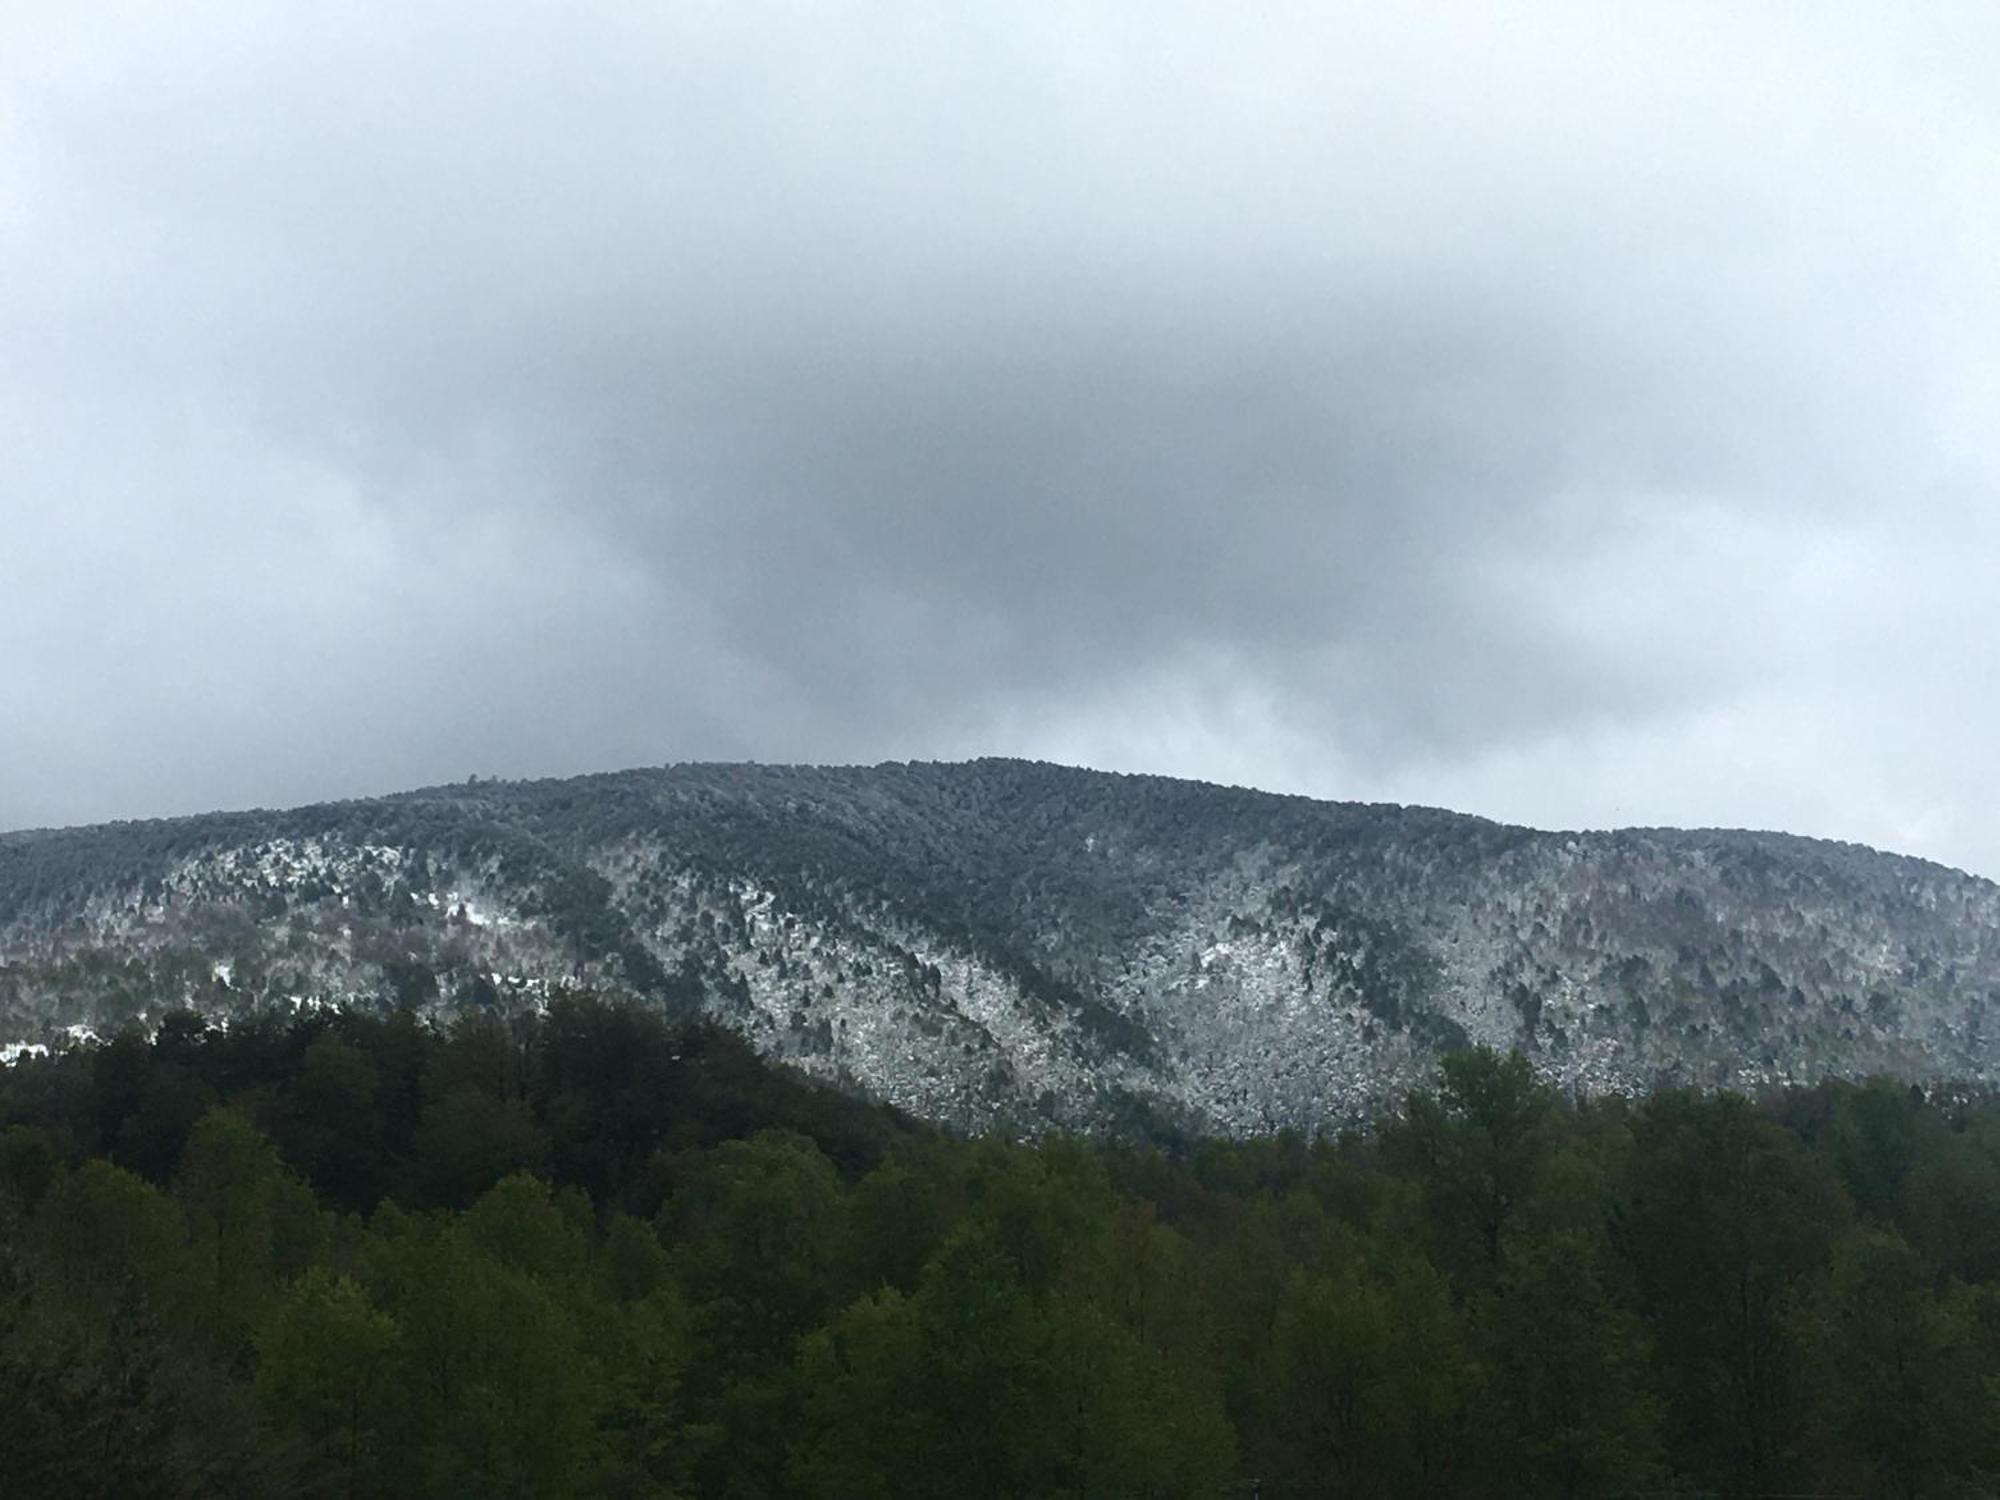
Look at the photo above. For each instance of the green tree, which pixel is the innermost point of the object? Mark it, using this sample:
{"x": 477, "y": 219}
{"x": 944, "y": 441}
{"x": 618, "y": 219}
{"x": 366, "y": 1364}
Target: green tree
{"x": 760, "y": 1224}
{"x": 29, "y": 1165}
{"x": 1474, "y": 1149}
{"x": 497, "y": 1394}
{"x": 466, "y": 1141}
{"x": 115, "y": 1410}
{"x": 332, "y": 1129}
{"x": 977, "y": 1386}
{"x": 1905, "y": 1402}
{"x": 252, "y": 1225}
{"x": 759, "y": 1229}
{"x": 1571, "y": 1370}
{"x": 1726, "y": 1223}
{"x": 1328, "y": 1385}
{"x": 1364, "y": 1383}
{"x": 527, "y": 1228}
{"x": 322, "y": 1356}
{"x": 115, "y": 1238}
{"x": 639, "y": 1326}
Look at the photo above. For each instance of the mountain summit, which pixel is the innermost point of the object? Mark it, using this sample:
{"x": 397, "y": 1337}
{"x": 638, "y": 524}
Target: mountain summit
{"x": 1015, "y": 944}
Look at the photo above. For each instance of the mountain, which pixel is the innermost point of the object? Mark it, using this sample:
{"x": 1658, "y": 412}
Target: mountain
{"x": 1011, "y": 944}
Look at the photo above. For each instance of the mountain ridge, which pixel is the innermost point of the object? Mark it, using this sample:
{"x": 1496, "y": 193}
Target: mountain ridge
{"x": 451, "y": 790}
{"x": 1019, "y": 944}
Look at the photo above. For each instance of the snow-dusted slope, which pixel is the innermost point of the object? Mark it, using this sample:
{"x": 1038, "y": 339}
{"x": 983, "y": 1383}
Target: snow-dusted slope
{"x": 1014, "y": 944}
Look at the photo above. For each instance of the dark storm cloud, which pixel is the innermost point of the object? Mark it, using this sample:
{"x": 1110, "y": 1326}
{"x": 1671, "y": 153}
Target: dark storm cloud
{"x": 1570, "y": 419}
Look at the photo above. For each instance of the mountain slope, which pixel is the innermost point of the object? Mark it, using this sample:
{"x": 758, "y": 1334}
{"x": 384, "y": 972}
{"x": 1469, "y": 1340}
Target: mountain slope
{"x": 1009, "y": 943}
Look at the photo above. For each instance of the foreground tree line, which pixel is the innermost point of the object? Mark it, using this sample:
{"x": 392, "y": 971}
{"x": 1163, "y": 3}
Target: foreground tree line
{"x": 591, "y": 1253}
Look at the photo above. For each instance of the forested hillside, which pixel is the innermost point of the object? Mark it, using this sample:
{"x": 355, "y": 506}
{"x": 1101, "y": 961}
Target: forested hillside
{"x": 598, "y": 1253}
{"x": 1014, "y": 946}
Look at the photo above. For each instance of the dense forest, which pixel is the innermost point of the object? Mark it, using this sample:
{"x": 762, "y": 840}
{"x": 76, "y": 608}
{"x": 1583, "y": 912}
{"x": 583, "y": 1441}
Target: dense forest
{"x": 598, "y": 1253}
{"x": 1008, "y": 947}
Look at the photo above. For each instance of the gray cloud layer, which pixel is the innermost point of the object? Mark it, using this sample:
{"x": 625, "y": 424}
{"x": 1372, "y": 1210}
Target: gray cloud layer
{"x": 1572, "y": 416}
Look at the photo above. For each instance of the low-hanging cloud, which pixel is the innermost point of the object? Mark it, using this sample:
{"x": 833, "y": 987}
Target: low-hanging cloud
{"x": 1563, "y": 416}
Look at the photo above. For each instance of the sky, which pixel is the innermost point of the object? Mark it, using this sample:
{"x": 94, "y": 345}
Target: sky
{"x": 1581, "y": 415}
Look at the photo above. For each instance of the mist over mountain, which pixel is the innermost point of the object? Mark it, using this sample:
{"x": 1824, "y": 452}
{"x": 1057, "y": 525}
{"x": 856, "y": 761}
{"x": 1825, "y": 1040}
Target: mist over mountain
{"x": 1013, "y": 944}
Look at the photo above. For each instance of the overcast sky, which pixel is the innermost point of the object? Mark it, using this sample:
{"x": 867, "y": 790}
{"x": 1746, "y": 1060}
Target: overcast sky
{"x": 1580, "y": 414}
